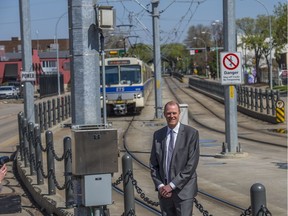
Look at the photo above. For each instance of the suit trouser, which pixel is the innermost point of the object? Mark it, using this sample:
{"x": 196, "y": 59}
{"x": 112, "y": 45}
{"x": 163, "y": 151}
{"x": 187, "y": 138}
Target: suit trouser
{"x": 174, "y": 206}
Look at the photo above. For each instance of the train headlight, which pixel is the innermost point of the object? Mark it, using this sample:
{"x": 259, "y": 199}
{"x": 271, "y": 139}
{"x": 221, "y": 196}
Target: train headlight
{"x": 137, "y": 96}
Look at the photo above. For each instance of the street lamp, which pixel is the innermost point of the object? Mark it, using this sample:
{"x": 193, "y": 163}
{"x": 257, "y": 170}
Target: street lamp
{"x": 270, "y": 44}
{"x": 57, "y": 53}
{"x": 206, "y": 58}
{"x": 215, "y": 23}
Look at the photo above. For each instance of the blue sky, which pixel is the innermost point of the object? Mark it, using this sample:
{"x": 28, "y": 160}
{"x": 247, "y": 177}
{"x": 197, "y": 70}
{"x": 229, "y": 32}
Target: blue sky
{"x": 175, "y": 18}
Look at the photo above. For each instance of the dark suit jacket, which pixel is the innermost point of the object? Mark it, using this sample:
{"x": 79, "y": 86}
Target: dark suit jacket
{"x": 183, "y": 164}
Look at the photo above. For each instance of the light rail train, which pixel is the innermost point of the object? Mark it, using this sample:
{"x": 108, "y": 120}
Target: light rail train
{"x": 128, "y": 84}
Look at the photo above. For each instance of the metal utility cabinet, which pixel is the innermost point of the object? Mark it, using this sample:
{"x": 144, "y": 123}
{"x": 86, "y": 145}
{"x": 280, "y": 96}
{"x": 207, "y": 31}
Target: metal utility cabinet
{"x": 94, "y": 151}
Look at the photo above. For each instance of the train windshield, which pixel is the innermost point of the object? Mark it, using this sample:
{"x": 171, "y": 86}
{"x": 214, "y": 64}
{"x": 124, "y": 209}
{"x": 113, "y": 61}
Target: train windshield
{"x": 111, "y": 77}
{"x": 130, "y": 74}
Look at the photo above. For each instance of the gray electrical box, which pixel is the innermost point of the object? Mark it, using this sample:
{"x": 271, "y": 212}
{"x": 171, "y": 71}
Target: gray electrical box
{"x": 94, "y": 151}
{"x": 97, "y": 190}
{"x": 184, "y": 113}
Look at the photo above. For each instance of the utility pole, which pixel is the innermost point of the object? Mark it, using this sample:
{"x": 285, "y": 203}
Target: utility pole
{"x": 230, "y": 93}
{"x": 25, "y": 25}
{"x": 157, "y": 59}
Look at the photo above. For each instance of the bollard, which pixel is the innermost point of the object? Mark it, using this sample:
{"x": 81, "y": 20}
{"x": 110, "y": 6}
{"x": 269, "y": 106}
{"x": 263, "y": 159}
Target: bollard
{"x": 50, "y": 162}
{"x": 31, "y": 148}
{"x": 68, "y": 173}
{"x": 129, "y": 205}
{"x": 258, "y": 198}
{"x": 38, "y": 153}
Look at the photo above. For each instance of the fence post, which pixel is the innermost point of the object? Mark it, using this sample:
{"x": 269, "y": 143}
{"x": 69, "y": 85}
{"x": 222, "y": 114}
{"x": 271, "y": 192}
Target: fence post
{"x": 63, "y": 109}
{"x": 31, "y": 148}
{"x": 256, "y": 99}
{"x": 258, "y": 198}
{"x": 273, "y": 107}
{"x": 251, "y": 98}
{"x": 50, "y": 163}
{"x": 267, "y": 100}
{"x": 49, "y": 114}
{"x": 36, "y": 114}
{"x": 41, "y": 117}
{"x": 58, "y": 110}
{"x": 261, "y": 100}
{"x": 45, "y": 115}
{"x": 68, "y": 173}
{"x": 20, "y": 131}
{"x": 25, "y": 134}
{"x": 66, "y": 107}
{"x": 54, "y": 111}
{"x": 127, "y": 170}
{"x": 38, "y": 152}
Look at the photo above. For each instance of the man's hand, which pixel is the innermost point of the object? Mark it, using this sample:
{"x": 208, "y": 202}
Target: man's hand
{"x": 165, "y": 191}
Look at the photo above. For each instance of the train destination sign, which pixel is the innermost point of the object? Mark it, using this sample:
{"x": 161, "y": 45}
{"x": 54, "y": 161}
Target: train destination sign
{"x": 231, "y": 68}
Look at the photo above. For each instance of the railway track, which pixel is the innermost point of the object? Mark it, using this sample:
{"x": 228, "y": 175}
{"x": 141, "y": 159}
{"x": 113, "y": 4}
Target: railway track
{"x": 141, "y": 156}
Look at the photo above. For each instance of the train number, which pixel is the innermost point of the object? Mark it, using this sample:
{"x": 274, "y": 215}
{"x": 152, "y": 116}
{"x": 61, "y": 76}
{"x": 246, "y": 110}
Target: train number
{"x": 120, "y": 89}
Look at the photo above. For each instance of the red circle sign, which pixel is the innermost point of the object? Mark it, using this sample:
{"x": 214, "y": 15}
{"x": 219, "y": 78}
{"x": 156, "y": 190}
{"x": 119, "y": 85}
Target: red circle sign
{"x": 230, "y": 61}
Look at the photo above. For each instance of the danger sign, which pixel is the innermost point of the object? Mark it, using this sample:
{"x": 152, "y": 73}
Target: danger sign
{"x": 231, "y": 70}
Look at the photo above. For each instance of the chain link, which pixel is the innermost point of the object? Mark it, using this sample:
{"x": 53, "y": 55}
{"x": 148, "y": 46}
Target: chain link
{"x": 247, "y": 212}
{"x": 201, "y": 208}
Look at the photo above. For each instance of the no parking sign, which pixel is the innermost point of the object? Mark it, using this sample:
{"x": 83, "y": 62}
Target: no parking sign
{"x": 231, "y": 68}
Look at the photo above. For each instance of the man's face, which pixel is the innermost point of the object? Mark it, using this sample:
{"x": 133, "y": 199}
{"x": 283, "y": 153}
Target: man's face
{"x": 172, "y": 115}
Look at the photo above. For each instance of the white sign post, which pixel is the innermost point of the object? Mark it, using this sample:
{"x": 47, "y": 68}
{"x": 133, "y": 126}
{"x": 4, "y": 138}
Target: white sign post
{"x": 28, "y": 76}
{"x": 231, "y": 68}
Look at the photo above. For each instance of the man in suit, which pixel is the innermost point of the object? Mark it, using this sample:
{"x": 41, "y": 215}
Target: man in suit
{"x": 175, "y": 178}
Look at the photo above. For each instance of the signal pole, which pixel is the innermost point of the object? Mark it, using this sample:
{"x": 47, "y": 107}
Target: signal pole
{"x": 157, "y": 59}
{"x": 230, "y": 93}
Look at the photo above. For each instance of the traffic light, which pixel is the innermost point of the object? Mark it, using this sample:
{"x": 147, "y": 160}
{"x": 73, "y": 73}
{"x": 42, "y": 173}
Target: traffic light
{"x": 198, "y": 51}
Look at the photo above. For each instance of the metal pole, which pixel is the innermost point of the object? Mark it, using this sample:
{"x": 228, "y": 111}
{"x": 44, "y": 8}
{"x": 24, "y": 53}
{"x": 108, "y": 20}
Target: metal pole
{"x": 217, "y": 60}
{"x": 25, "y": 26}
{"x": 104, "y": 79}
{"x": 206, "y": 58}
{"x": 270, "y": 44}
{"x": 157, "y": 59}
{"x": 57, "y": 53}
{"x": 230, "y": 92}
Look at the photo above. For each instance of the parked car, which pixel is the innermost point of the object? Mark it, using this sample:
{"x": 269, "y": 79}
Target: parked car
{"x": 8, "y": 92}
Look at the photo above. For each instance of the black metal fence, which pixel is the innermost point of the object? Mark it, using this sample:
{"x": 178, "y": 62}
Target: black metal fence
{"x": 48, "y": 84}
{"x": 251, "y": 101}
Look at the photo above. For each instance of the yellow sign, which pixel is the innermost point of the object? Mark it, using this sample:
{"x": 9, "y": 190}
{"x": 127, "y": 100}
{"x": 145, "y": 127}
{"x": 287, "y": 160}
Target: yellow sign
{"x": 231, "y": 90}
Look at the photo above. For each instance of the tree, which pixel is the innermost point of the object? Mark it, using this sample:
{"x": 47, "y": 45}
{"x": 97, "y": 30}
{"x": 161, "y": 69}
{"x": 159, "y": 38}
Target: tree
{"x": 253, "y": 39}
{"x": 175, "y": 54}
{"x": 141, "y": 51}
{"x": 280, "y": 30}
